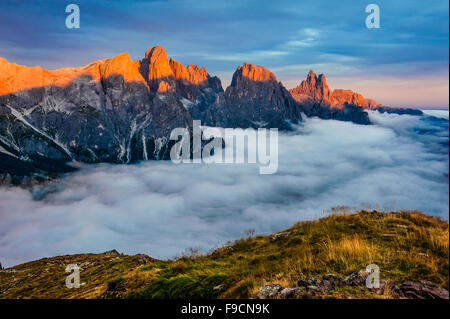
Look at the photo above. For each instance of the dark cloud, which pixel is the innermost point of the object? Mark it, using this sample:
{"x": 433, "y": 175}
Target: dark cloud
{"x": 411, "y": 31}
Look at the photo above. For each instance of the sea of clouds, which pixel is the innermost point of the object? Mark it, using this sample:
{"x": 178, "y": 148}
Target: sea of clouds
{"x": 161, "y": 209}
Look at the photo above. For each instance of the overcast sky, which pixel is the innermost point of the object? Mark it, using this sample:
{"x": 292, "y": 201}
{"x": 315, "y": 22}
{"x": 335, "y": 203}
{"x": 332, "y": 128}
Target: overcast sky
{"x": 404, "y": 63}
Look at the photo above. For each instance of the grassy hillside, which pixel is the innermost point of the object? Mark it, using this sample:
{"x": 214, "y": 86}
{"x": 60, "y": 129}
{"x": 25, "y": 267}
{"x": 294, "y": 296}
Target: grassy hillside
{"x": 405, "y": 245}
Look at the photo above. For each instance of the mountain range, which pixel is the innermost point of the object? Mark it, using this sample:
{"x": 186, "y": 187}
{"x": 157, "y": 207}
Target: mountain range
{"x": 121, "y": 110}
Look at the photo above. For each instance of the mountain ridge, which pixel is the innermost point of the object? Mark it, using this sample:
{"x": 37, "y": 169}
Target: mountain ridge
{"x": 120, "y": 110}
{"x": 314, "y": 92}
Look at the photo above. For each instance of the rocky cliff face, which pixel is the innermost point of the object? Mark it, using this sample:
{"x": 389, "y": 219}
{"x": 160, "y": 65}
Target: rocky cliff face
{"x": 340, "y": 97}
{"x": 317, "y": 99}
{"x": 254, "y": 99}
{"x": 113, "y": 110}
{"x": 196, "y": 88}
{"x": 313, "y": 90}
{"x": 156, "y": 70}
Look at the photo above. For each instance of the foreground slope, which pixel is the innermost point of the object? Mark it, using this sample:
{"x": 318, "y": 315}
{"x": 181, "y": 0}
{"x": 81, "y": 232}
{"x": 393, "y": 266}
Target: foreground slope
{"x": 406, "y": 246}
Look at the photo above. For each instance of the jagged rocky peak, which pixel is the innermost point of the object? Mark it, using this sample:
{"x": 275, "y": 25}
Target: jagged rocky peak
{"x": 121, "y": 65}
{"x": 112, "y": 110}
{"x": 312, "y": 79}
{"x": 198, "y": 74}
{"x": 254, "y": 99}
{"x": 16, "y": 78}
{"x": 102, "y": 112}
{"x": 251, "y": 80}
{"x": 250, "y": 73}
{"x": 192, "y": 74}
{"x": 313, "y": 90}
{"x": 195, "y": 88}
{"x": 373, "y": 104}
{"x": 316, "y": 99}
{"x": 165, "y": 75}
{"x": 156, "y": 70}
{"x": 180, "y": 72}
{"x": 340, "y": 97}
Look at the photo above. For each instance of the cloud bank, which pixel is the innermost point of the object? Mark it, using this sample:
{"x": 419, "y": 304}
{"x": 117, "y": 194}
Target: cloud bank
{"x": 160, "y": 208}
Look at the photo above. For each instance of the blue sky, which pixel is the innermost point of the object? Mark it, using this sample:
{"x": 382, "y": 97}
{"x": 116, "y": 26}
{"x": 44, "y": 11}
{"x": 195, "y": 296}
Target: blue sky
{"x": 404, "y": 63}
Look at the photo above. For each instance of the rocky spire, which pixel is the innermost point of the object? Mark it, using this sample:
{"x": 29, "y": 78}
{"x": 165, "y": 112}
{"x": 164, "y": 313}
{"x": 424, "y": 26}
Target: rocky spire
{"x": 156, "y": 70}
{"x": 316, "y": 99}
{"x": 315, "y": 88}
{"x": 311, "y": 77}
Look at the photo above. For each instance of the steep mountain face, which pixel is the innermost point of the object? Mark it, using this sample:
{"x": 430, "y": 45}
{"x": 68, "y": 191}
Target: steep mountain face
{"x": 156, "y": 70}
{"x": 192, "y": 86}
{"x": 113, "y": 110}
{"x": 196, "y": 88}
{"x": 313, "y": 90}
{"x": 317, "y": 99}
{"x": 254, "y": 99}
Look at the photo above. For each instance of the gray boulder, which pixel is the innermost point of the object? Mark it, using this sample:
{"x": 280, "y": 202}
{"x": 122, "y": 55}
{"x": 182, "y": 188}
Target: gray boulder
{"x": 309, "y": 281}
{"x": 358, "y": 278}
{"x": 269, "y": 291}
{"x": 287, "y": 293}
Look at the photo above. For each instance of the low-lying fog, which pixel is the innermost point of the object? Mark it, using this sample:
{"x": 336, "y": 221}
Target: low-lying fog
{"x": 161, "y": 209}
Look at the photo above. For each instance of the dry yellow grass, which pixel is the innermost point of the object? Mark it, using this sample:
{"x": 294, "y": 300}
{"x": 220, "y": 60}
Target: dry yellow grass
{"x": 349, "y": 248}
